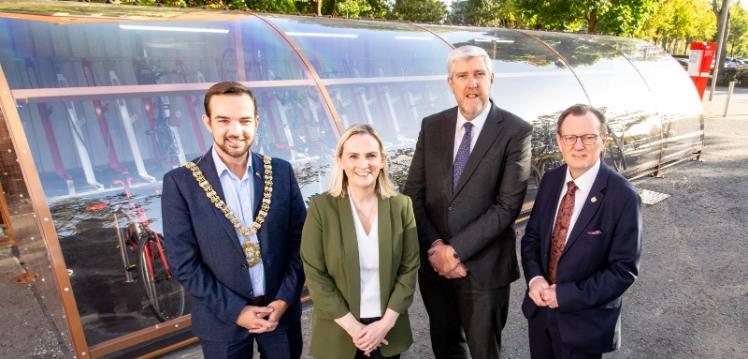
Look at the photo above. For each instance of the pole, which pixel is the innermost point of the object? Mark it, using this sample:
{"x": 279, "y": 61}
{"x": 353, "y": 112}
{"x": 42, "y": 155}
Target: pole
{"x": 729, "y": 97}
{"x": 722, "y": 28}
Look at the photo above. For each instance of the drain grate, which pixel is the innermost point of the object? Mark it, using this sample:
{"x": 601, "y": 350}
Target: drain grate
{"x": 651, "y": 197}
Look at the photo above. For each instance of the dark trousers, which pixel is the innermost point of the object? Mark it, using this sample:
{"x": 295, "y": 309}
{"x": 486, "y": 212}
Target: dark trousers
{"x": 375, "y": 354}
{"x": 454, "y": 306}
{"x": 545, "y": 338}
{"x": 278, "y": 344}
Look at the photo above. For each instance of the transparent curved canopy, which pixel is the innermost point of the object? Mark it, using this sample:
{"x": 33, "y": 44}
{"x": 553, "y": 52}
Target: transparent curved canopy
{"x": 109, "y": 107}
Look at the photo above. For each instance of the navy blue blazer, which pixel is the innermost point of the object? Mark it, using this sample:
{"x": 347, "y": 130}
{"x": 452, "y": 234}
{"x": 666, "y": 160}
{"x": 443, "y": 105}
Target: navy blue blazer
{"x": 599, "y": 262}
{"x": 205, "y": 254}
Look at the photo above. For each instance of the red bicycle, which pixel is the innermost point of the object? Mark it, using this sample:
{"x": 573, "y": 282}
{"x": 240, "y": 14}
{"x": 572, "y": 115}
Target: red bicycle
{"x": 135, "y": 237}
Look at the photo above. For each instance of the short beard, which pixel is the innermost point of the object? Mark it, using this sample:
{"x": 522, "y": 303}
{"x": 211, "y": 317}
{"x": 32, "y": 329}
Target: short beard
{"x": 478, "y": 110}
{"x": 232, "y": 152}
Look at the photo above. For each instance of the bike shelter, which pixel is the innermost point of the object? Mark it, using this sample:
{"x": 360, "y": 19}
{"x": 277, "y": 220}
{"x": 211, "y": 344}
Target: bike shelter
{"x": 96, "y": 108}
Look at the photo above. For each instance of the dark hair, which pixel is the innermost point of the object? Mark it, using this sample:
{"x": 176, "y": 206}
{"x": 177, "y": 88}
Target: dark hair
{"x": 579, "y": 110}
{"x": 227, "y": 88}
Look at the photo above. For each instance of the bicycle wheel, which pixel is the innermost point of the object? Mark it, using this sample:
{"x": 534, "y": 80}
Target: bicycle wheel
{"x": 164, "y": 292}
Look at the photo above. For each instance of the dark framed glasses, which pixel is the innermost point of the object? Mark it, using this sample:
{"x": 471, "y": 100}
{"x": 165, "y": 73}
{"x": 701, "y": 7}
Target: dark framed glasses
{"x": 587, "y": 139}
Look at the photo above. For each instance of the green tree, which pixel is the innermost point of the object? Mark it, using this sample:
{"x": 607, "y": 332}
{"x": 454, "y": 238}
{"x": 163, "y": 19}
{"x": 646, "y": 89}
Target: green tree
{"x": 617, "y": 17}
{"x": 458, "y": 13}
{"x": 285, "y": 6}
{"x": 626, "y": 17}
{"x": 502, "y": 13}
{"x": 353, "y": 8}
{"x": 737, "y": 40}
{"x": 433, "y": 11}
{"x": 679, "y": 22}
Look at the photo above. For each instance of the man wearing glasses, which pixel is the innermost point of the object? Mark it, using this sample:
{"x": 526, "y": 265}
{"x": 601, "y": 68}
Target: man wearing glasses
{"x": 581, "y": 247}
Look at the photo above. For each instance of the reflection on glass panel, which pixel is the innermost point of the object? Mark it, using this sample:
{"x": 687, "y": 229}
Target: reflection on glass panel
{"x": 86, "y": 146}
{"x": 361, "y": 49}
{"x": 143, "y": 53}
{"x": 394, "y": 109}
{"x": 615, "y": 87}
{"x": 676, "y": 97}
{"x": 295, "y": 125}
{"x": 512, "y": 51}
{"x": 111, "y": 243}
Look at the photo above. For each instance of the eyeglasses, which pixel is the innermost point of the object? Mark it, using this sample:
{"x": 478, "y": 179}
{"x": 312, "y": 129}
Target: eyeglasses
{"x": 587, "y": 140}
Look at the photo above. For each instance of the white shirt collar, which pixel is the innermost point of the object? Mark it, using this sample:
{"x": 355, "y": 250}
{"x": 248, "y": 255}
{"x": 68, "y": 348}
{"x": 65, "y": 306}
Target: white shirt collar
{"x": 586, "y": 180}
{"x": 221, "y": 167}
{"x": 477, "y": 122}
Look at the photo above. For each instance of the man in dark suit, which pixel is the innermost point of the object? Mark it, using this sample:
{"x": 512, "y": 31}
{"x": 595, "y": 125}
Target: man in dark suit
{"x": 468, "y": 180}
{"x": 581, "y": 247}
{"x": 232, "y": 227}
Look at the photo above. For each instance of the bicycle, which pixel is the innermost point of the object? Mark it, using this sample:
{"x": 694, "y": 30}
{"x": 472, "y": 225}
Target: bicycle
{"x": 134, "y": 235}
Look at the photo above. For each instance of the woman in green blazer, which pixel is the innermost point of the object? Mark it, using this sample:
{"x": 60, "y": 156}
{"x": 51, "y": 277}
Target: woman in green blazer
{"x": 360, "y": 252}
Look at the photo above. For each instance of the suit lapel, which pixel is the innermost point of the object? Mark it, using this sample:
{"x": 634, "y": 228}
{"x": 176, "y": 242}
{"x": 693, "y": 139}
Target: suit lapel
{"x": 350, "y": 253}
{"x": 258, "y": 189}
{"x": 258, "y": 178}
{"x": 590, "y": 207}
{"x": 385, "y": 249}
{"x": 447, "y": 137}
{"x": 208, "y": 168}
{"x": 482, "y": 145}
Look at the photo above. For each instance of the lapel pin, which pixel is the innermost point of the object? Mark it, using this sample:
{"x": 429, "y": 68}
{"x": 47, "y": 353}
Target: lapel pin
{"x": 593, "y": 199}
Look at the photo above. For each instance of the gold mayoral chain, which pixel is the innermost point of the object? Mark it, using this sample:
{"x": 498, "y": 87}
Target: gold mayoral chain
{"x": 251, "y": 249}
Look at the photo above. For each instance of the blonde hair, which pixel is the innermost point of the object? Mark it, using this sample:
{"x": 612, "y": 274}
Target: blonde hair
{"x": 339, "y": 181}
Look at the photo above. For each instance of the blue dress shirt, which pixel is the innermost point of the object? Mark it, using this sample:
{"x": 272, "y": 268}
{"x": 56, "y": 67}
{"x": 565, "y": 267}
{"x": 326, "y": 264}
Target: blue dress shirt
{"x": 238, "y": 196}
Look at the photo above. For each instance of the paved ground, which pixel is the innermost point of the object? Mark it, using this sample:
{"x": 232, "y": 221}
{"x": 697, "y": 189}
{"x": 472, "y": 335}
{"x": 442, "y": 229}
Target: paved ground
{"x": 26, "y": 331}
{"x": 689, "y": 301}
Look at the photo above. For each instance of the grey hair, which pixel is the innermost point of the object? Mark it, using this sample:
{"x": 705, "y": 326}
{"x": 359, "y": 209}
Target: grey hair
{"x": 467, "y": 52}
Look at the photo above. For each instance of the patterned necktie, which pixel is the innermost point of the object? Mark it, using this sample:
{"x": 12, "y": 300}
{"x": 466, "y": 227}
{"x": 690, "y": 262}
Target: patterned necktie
{"x": 560, "y": 229}
{"x": 463, "y": 153}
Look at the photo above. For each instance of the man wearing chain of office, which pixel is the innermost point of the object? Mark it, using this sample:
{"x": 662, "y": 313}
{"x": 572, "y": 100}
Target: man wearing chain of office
{"x": 232, "y": 226}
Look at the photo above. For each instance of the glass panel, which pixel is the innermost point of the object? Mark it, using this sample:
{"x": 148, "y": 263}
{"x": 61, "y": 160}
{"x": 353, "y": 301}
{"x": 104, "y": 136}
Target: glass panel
{"x": 143, "y": 53}
{"x": 674, "y": 94}
{"x": 26, "y": 230}
{"x": 394, "y": 109}
{"x": 101, "y": 158}
{"x": 355, "y": 49}
{"x": 614, "y": 86}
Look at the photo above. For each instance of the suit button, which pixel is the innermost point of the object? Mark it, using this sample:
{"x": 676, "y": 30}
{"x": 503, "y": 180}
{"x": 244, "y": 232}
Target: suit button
{"x": 244, "y": 265}
{"x": 450, "y": 208}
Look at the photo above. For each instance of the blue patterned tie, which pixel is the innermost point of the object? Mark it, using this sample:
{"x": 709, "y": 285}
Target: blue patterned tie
{"x": 463, "y": 153}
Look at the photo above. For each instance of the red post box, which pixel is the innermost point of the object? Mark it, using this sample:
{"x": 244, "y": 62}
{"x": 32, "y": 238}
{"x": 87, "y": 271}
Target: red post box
{"x": 700, "y": 64}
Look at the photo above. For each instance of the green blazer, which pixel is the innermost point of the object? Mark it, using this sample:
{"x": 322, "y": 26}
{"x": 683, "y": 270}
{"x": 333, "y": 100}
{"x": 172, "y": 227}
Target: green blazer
{"x": 329, "y": 250}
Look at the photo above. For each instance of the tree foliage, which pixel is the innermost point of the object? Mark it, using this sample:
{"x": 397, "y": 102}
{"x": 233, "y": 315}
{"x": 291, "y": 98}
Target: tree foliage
{"x": 353, "y": 8}
{"x": 502, "y": 13}
{"x": 737, "y": 40}
{"x": 679, "y": 21}
{"x": 419, "y": 10}
{"x": 616, "y": 17}
{"x": 285, "y": 6}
